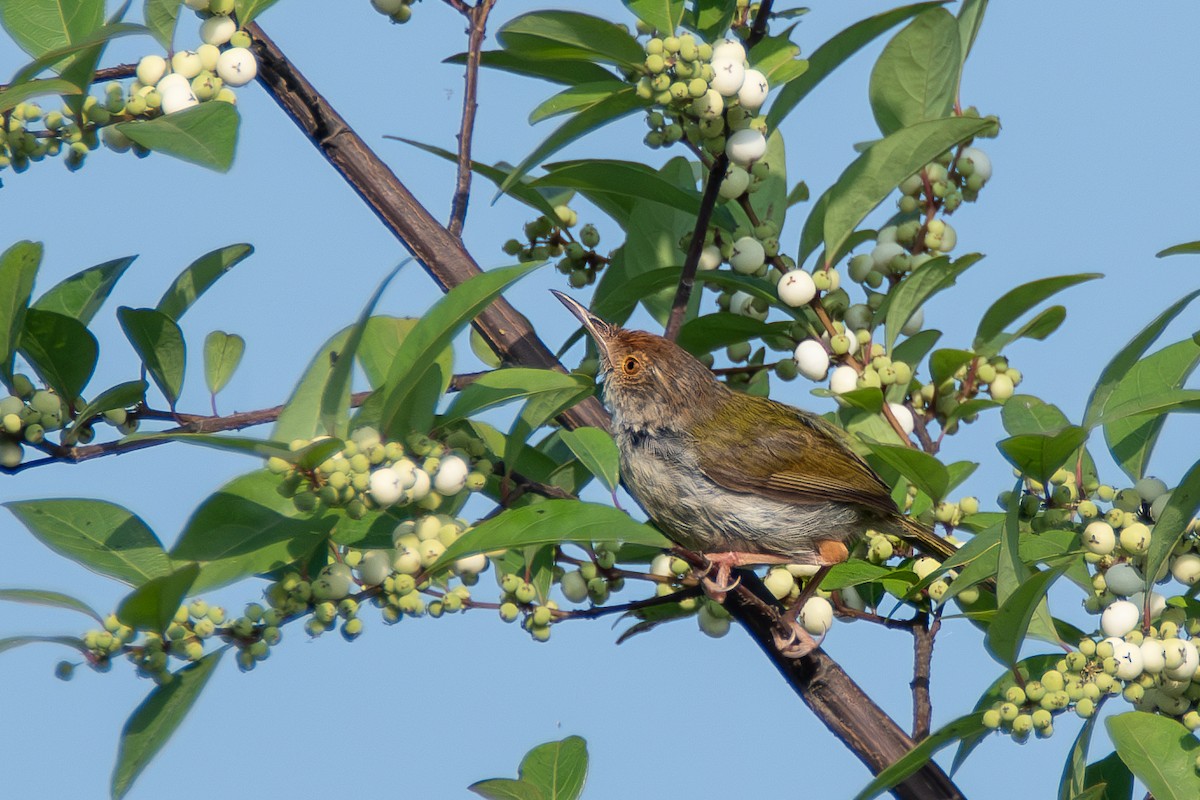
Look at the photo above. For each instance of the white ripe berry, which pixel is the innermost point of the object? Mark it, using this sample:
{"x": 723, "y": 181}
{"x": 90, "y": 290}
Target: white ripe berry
{"x": 1120, "y": 618}
{"x": 1001, "y": 388}
{"x": 812, "y": 359}
{"x": 709, "y": 105}
{"x": 471, "y": 565}
{"x": 1158, "y": 603}
{"x": 754, "y": 90}
{"x": 217, "y": 30}
{"x": 779, "y": 582}
{"x": 1129, "y": 658}
{"x": 1186, "y": 569}
{"x": 979, "y": 160}
{"x": 209, "y": 55}
{"x": 237, "y": 66}
{"x": 387, "y": 7}
{"x": 1099, "y": 538}
{"x": 1154, "y": 656}
{"x": 178, "y": 99}
{"x": 816, "y": 616}
{"x": 796, "y": 288}
{"x": 883, "y": 254}
{"x": 729, "y": 48}
{"x": 915, "y": 323}
{"x": 187, "y": 63}
{"x": 1123, "y": 579}
{"x": 386, "y": 487}
{"x": 748, "y": 255}
{"x": 852, "y": 599}
{"x": 421, "y": 485}
{"x": 903, "y": 416}
{"x": 710, "y": 258}
{"x": 660, "y": 565}
{"x": 173, "y": 82}
{"x": 745, "y": 146}
{"x": 735, "y": 183}
{"x": 1135, "y": 538}
{"x": 374, "y": 567}
{"x": 1181, "y": 659}
{"x": 844, "y": 379}
{"x": 728, "y": 76}
{"x": 887, "y": 235}
{"x": 925, "y": 566}
{"x": 150, "y": 70}
{"x": 451, "y": 476}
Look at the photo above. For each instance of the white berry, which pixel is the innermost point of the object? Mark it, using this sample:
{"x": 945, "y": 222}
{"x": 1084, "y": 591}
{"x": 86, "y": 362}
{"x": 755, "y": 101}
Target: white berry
{"x": 883, "y": 254}
{"x": 386, "y": 486}
{"x": 237, "y": 66}
{"x": 816, "y": 616}
{"x": 217, "y": 30}
{"x": 1120, "y": 618}
{"x": 915, "y": 323}
{"x": 150, "y": 70}
{"x": 729, "y": 48}
{"x": 746, "y": 146}
{"x": 844, "y": 379}
{"x": 1181, "y": 659}
{"x": 979, "y": 160}
{"x": 903, "y": 416}
{"x": 187, "y": 63}
{"x": 1186, "y": 569}
{"x": 748, "y": 255}
{"x": 710, "y": 258}
{"x": 754, "y": 90}
{"x": 1099, "y": 538}
{"x": 209, "y": 55}
{"x": 1129, "y": 658}
{"x": 1154, "y": 656}
{"x": 451, "y": 476}
{"x": 796, "y": 288}
{"x": 812, "y": 359}
{"x": 178, "y": 100}
{"x": 1135, "y": 538}
{"x": 779, "y": 582}
{"x": 728, "y": 76}
{"x": 471, "y": 565}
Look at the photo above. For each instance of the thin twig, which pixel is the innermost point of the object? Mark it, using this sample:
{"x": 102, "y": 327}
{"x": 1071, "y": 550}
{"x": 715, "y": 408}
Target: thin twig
{"x": 107, "y": 74}
{"x": 477, "y": 17}
{"x": 687, "y": 277}
{"x": 595, "y": 612}
{"x": 759, "y": 29}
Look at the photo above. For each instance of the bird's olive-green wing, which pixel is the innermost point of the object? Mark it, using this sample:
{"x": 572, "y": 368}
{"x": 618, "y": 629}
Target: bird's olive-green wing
{"x": 792, "y": 456}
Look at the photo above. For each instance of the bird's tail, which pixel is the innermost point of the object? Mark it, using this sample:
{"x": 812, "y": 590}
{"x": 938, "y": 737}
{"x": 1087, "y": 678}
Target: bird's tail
{"x": 923, "y": 538}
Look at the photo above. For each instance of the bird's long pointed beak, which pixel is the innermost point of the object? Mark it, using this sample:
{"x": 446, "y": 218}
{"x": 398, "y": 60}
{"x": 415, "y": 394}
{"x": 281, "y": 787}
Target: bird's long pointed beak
{"x": 598, "y": 329}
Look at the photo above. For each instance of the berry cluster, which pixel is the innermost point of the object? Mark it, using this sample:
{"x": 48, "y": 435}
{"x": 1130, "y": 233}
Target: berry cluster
{"x": 398, "y": 11}
{"x": 27, "y": 415}
{"x": 547, "y": 238}
{"x": 369, "y": 473}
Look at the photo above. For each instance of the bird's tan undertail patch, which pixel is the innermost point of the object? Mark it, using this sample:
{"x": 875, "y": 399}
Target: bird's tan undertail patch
{"x": 831, "y": 552}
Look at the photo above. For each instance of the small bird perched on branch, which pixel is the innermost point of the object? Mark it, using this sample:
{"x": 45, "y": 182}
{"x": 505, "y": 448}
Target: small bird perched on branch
{"x": 744, "y": 480}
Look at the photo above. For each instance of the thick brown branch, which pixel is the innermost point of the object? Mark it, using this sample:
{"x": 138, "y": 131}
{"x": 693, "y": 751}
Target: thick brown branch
{"x": 462, "y": 183}
{"x": 687, "y": 277}
{"x": 506, "y": 331}
{"x": 923, "y": 634}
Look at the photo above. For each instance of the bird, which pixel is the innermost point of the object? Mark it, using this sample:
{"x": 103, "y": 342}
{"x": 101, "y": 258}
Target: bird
{"x": 742, "y": 479}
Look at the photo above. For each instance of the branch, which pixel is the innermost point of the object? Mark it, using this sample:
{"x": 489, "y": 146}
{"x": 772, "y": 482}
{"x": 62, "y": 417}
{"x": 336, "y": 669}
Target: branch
{"x": 442, "y": 255}
{"x": 759, "y": 29}
{"x": 477, "y": 17}
{"x": 923, "y": 633}
{"x": 687, "y": 277}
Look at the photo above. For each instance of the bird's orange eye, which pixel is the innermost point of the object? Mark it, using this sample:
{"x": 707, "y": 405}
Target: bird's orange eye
{"x": 631, "y": 365}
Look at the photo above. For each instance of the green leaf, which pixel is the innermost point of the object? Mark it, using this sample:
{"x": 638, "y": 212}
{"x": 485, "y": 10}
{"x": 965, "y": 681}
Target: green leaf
{"x": 551, "y": 522}
{"x": 920, "y": 755}
{"x": 198, "y": 277}
{"x": 557, "y": 769}
{"x": 247, "y": 527}
{"x": 574, "y": 98}
{"x": 622, "y": 178}
{"x": 18, "y": 641}
{"x": 382, "y": 341}
{"x": 101, "y": 536}
{"x": 151, "y": 606}
{"x": 161, "y": 18}
{"x": 1038, "y": 455}
{"x": 222, "y": 354}
{"x": 876, "y": 173}
{"x": 924, "y": 471}
{"x": 81, "y": 295}
{"x": 415, "y": 364}
{"x": 1153, "y": 381}
{"x": 1029, "y": 668}
{"x": 1172, "y": 523}
{"x": 159, "y": 343}
{"x": 914, "y": 349}
{"x": 43, "y": 597}
{"x": 39, "y": 26}
{"x": 539, "y": 409}
{"x": 1159, "y": 751}
{"x": 18, "y": 267}
{"x": 616, "y": 105}
{"x": 61, "y": 350}
{"x": 564, "y": 71}
{"x": 301, "y": 415}
{"x": 662, "y": 15}
{"x": 1016, "y": 302}
{"x": 826, "y": 58}
{"x": 597, "y": 451}
{"x": 155, "y": 720}
{"x": 719, "y": 329}
{"x": 247, "y": 10}
{"x": 853, "y": 573}
{"x": 235, "y": 444}
{"x": 1024, "y": 413}
{"x": 123, "y": 395}
{"x": 776, "y": 57}
{"x": 925, "y": 281}
{"x": 503, "y": 386}
{"x": 917, "y": 73}
{"x": 571, "y": 35}
{"x": 505, "y": 789}
{"x": 76, "y": 61}
{"x": 970, "y": 18}
{"x": 711, "y": 18}
{"x": 1124, "y": 360}
{"x": 1188, "y": 248}
{"x": 19, "y": 93}
{"x": 1011, "y": 571}
{"x": 335, "y": 397}
{"x": 1008, "y": 628}
{"x": 1074, "y": 778}
{"x": 1110, "y": 774}
{"x": 205, "y": 134}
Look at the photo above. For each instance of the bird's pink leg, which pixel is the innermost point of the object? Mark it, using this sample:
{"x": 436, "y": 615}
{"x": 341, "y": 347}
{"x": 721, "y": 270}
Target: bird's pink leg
{"x": 718, "y": 586}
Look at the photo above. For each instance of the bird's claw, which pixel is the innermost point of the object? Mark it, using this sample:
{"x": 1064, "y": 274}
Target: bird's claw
{"x": 792, "y": 640}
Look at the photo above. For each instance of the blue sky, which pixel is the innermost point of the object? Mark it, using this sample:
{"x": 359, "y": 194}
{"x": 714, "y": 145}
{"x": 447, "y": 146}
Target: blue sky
{"x": 1094, "y": 171}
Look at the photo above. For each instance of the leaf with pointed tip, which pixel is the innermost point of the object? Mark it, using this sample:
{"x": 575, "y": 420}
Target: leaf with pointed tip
{"x": 1074, "y": 777}
{"x": 916, "y": 75}
{"x": 1038, "y": 455}
{"x": 61, "y": 350}
{"x": 222, "y": 354}
{"x": 571, "y": 35}
{"x": 924, "y": 471}
{"x": 201, "y": 274}
{"x": 123, "y": 395}
{"x": 575, "y": 98}
{"x": 557, "y": 769}
{"x": 161, "y": 18}
{"x": 920, "y": 755}
{"x": 505, "y": 789}
{"x": 18, "y": 267}
{"x": 1009, "y": 627}
{"x": 155, "y": 720}
{"x": 39, "y": 26}
{"x": 43, "y": 597}
{"x": 1188, "y": 248}
{"x": 504, "y": 386}
{"x": 19, "y": 93}
{"x": 159, "y": 343}
{"x": 152, "y": 606}
{"x": 623, "y": 178}
{"x": 81, "y": 295}
{"x": 101, "y": 536}
{"x": 205, "y": 134}
{"x": 923, "y": 283}
{"x": 380, "y": 343}
{"x": 597, "y": 451}
{"x": 247, "y": 10}
{"x": 1016, "y": 302}
{"x": 1111, "y": 776}
{"x": 18, "y": 641}
{"x": 244, "y": 445}
{"x": 564, "y": 71}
